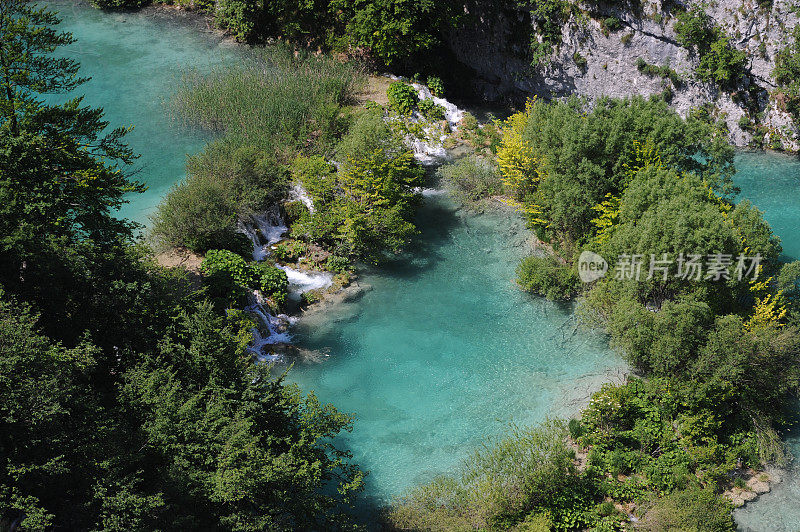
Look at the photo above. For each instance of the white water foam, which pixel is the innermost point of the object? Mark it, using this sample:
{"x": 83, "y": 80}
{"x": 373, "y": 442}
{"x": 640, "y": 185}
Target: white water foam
{"x": 263, "y": 230}
{"x": 451, "y": 111}
{"x": 276, "y": 327}
{"x": 300, "y": 282}
{"x": 428, "y": 192}
{"x": 298, "y": 193}
{"x": 430, "y": 150}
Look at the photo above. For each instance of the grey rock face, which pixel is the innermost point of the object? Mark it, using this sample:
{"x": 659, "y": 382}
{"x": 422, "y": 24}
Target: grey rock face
{"x": 495, "y": 49}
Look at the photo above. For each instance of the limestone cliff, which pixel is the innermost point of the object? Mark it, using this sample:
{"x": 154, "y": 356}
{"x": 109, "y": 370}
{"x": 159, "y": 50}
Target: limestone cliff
{"x": 593, "y": 61}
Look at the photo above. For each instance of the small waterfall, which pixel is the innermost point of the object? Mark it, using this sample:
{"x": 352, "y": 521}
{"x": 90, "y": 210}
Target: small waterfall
{"x": 300, "y": 282}
{"x": 267, "y": 228}
{"x": 451, "y": 112}
{"x": 430, "y": 149}
{"x": 299, "y": 193}
{"x": 263, "y": 230}
{"x": 273, "y": 330}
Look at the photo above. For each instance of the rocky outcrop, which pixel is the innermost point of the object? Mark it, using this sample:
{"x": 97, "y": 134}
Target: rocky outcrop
{"x": 593, "y": 61}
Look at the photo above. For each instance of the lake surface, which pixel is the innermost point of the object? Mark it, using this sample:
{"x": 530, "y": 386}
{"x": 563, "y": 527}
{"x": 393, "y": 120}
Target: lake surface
{"x": 446, "y": 350}
{"x": 135, "y": 61}
{"x": 772, "y": 183}
{"x": 443, "y": 351}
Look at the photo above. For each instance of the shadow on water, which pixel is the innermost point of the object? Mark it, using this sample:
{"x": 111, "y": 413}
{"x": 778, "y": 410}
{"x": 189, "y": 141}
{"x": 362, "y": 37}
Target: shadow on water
{"x": 436, "y": 220}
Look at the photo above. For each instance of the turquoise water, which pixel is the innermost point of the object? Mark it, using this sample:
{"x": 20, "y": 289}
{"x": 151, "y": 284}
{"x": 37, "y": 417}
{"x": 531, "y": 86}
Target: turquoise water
{"x": 134, "y": 60}
{"x": 445, "y": 350}
{"x": 441, "y": 353}
{"x": 772, "y": 183}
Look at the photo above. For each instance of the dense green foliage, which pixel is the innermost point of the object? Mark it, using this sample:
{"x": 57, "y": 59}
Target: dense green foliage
{"x": 663, "y": 71}
{"x": 471, "y": 179}
{"x": 392, "y": 31}
{"x": 226, "y": 181}
{"x": 365, "y": 209}
{"x": 436, "y": 86}
{"x": 431, "y": 110}
{"x": 547, "y": 276}
{"x": 581, "y": 155}
{"x": 720, "y": 62}
{"x": 720, "y": 352}
{"x": 549, "y": 16}
{"x": 787, "y": 73}
{"x": 402, "y": 97}
{"x": 230, "y": 278}
{"x": 268, "y": 109}
{"x": 127, "y": 402}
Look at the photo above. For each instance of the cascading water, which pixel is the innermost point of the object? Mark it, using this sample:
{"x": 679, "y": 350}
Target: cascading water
{"x": 264, "y": 230}
{"x": 299, "y": 193}
{"x": 272, "y": 330}
{"x": 452, "y": 113}
{"x": 430, "y": 149}
{"x": 300, "y": 282}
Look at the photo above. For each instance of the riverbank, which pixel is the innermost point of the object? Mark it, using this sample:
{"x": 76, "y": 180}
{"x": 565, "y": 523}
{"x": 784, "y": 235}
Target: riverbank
{"x": 357, "y": 336}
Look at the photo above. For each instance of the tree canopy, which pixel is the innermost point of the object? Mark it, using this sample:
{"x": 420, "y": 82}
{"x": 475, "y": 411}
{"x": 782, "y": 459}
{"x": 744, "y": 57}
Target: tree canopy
{"x": 127, "y": 400}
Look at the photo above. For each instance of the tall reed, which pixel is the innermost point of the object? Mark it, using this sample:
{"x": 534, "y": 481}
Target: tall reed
{"x": 277, "y": 99}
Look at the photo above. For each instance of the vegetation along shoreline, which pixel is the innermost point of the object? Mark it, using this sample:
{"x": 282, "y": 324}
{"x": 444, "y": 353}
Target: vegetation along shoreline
{"x": 144, "y": 392}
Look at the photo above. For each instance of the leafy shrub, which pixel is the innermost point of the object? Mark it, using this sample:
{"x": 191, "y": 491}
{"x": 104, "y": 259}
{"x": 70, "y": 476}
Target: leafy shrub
{"x": 548, "y": 17}
{"x": 225, "y": 181}
{"x": 436, "y": 86}
{"x": 692, "y": 509}
{"x": 289, "y": 251}
{"x": 393, "y": 30}
{"x": 580, "y": 61}
{"x": 548, "y": 277}
{"x": 310, "y": 297}
{"x": 471, "y": 179}
{"x": 293, "y": 211}
{"x": 318, "y": 177}
{"x": 661, "y": 71}
{"x": 611, "y": 24}
{"x": 369, "y": 132}
{"x": 272, "y": 282}
{"x": 719, "y": 61}
{"x": 339, "y": 264}
{"x": 197, "y": 214}
{"x": 605, "y": 509}
{"x": 363, "y": 211}
{"x": 229, "y": 278}
{"x": 469, "y": 122}
{"x": 722, "y": 63}
{"x": 431, "y": 110}
{"x": 669, "y": 471}
{"x": 575, "y": 428}
{"x": 403, "y": 98}
{"x": 626, "y": 39}
{"x": 787, "y": 73}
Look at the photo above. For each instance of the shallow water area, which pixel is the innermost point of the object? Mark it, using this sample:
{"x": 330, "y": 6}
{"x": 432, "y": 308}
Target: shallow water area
{"x": 135, "y": 60}
{"x": 444, "y": 350}
{"x": 771, "y": 182}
